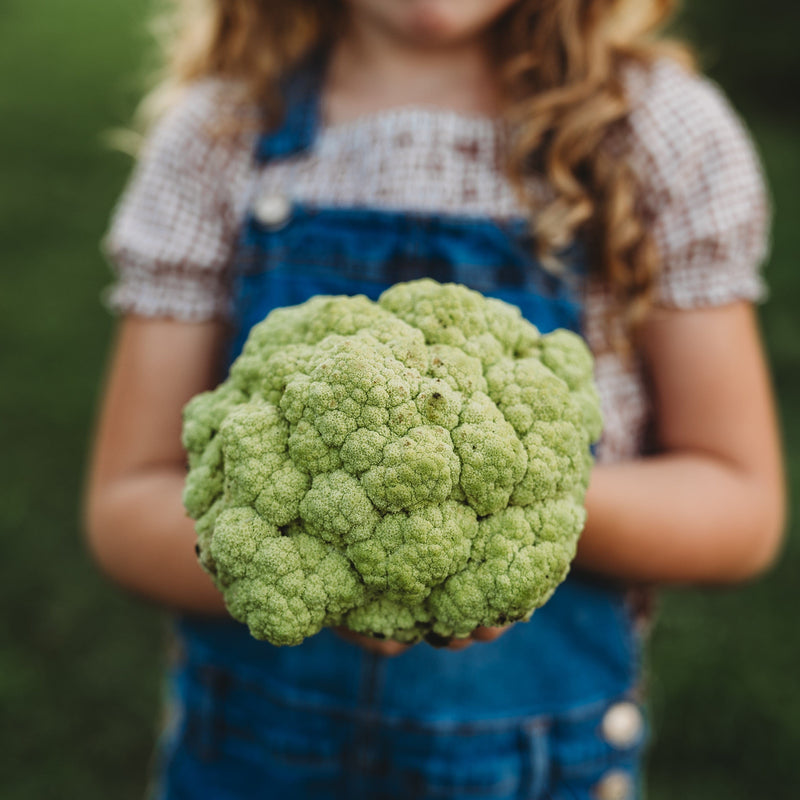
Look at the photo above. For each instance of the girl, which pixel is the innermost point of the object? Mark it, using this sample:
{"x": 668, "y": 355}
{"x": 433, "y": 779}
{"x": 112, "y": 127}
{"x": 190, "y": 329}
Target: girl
{"x": 563, "y": 144}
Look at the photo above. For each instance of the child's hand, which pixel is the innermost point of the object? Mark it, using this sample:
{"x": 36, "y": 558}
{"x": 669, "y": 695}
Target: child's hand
{"x": 391, "y": 648}
{"x": 481, "y": 634}
{"x": 382, "y": 647}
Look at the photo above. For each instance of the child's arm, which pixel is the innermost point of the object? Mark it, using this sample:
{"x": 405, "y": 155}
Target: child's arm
{"x": 710, "y": 506}
{"x": 137, "y": 528}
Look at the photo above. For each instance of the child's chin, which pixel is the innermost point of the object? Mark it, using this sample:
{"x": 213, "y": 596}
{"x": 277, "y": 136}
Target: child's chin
{"x": 432, "y": 25}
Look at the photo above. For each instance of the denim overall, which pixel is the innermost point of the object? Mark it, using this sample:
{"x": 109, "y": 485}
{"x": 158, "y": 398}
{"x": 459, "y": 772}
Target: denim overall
{"x": 520, "y": 717}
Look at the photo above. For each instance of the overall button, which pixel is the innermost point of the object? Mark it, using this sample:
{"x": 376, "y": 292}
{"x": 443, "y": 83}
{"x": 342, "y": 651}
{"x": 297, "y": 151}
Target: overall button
{"x": 614, "y": 785}
{"x": 273, "y": 210}
{"x": 622, "y": 725}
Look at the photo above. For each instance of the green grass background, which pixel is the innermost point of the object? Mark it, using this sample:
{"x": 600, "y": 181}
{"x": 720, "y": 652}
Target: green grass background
{"x": 79, "y": 661}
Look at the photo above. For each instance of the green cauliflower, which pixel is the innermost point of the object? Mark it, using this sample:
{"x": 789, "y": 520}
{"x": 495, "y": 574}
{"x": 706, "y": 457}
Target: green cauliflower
{"x": 412, "y": 468}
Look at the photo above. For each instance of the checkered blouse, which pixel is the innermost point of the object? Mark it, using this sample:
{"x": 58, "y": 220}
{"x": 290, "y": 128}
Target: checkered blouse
{"x": 174, "y": 229}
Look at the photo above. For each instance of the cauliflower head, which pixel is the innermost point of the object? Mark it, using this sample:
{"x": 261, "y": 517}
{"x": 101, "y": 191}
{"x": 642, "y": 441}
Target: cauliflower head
{"x": 411, "y": 468}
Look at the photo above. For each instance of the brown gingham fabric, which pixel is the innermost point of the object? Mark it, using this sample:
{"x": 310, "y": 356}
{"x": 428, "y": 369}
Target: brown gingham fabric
{"x": 173, "y": 232}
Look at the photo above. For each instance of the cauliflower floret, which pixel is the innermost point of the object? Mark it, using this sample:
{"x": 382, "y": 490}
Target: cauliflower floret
{"x": 411, "y": 468}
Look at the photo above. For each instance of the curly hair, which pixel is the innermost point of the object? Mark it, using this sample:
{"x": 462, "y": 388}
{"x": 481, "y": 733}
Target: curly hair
{"x": 561, "y": 65}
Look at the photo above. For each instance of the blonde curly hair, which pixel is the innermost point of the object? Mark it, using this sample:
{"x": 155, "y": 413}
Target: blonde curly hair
{"x": 561, "y": 66}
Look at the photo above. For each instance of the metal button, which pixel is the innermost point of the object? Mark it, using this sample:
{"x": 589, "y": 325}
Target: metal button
{"x": 622, "y": 725}
{"x": 273, "y": 210}
{"x": 614, "y": 785}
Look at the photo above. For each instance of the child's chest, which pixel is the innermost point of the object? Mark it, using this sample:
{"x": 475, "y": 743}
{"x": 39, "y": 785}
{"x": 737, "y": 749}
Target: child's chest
{"x": 398, "y": 197}
{"x": 406, "y": 159}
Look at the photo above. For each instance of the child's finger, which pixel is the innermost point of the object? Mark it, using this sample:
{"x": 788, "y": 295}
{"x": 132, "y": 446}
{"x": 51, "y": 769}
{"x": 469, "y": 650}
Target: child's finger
{"x": 459, "y": 644}
{"x": 385, "y": 648}
{"x": 483, "y": 634}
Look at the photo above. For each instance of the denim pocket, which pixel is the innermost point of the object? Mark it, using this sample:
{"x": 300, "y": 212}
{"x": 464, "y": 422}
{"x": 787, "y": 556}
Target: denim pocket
{"x": 238, "y": 741}
{"x": 488, "y": 761}
{"x": 235, "y": 743}
{"x": 228, "y": 712}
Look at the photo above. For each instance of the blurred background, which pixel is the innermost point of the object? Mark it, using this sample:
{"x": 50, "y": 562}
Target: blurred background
{"x": 79, "y": 662}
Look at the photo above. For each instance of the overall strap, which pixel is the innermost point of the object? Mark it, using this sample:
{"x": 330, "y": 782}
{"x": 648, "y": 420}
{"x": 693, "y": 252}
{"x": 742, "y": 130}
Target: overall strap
{"x": 298, "y": 128}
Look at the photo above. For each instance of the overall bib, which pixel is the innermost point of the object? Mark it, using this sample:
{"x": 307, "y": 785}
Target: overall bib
{"x": 525, "y": 716}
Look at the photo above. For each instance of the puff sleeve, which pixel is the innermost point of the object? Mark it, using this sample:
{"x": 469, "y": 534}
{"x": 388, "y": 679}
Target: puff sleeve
{"x": 172, "y": 233}
{"x": 703, "y": 188}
